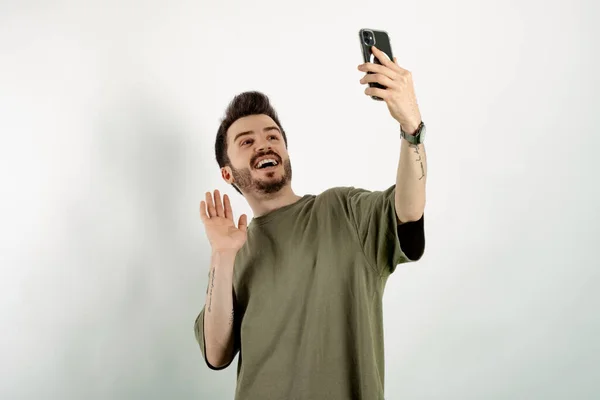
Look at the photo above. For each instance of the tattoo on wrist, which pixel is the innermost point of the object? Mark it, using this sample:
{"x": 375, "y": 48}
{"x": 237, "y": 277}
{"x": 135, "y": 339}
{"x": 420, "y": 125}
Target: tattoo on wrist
{"x": 419, "y": 159}
{"x": 231, "y": 317}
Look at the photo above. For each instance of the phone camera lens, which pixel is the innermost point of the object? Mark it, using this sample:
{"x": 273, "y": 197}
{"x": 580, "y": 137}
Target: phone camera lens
{"x": 368, "y": 38}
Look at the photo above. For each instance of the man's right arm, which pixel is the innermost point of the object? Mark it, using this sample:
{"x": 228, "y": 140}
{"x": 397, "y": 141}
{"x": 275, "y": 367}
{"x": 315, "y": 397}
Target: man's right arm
{"x": 219, "y": 335}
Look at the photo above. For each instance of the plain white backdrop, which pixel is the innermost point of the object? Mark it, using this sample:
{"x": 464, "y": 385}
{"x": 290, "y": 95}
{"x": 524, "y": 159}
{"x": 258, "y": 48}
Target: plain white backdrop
{"x": 108, "y": 115}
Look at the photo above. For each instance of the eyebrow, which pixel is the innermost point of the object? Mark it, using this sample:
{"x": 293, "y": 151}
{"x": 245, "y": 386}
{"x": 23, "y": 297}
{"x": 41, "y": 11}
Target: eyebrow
{"x": 268, "y": 128}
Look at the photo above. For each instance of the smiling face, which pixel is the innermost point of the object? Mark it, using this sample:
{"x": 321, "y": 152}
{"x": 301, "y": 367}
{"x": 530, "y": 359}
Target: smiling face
{"x": 259, "y": 161}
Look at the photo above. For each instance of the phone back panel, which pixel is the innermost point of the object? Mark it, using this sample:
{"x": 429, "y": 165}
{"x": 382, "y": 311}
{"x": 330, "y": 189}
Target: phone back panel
{"x": 382, "y": 42}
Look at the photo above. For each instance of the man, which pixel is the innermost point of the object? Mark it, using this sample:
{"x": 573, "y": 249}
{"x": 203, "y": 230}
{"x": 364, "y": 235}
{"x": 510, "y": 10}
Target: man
{"x": 298, "y": 292}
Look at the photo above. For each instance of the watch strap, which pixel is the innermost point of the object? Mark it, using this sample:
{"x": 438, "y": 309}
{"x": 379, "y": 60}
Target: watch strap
{"x": 413, "y": 138}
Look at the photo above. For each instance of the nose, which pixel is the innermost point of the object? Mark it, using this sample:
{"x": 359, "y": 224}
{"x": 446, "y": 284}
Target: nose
{"x": 262, "y": 145}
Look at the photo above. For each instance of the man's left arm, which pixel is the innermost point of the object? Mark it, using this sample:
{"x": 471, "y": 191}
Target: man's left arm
{"x": 400, "y": 98}
{"x": 410, "y": 199}
{"x": 411, "y": 176}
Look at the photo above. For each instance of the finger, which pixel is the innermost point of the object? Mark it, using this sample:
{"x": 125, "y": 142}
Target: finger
{"x": 398, "y": 68}
{"x": 219, "y": 204}
{"x": 243, "y": 223}
{"x": 381, "y": 79}
{"x": 381, "y": 93}
{"x": 378, "y": 69}
{"x": 228, "y": 210}
{"x": 382, "y": 57}
{"x": 203, "y": 215}
{"x": 210, "y": 205}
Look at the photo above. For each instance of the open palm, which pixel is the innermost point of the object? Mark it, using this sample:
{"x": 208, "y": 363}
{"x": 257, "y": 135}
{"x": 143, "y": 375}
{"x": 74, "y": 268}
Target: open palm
{"x": 217, "y": 217}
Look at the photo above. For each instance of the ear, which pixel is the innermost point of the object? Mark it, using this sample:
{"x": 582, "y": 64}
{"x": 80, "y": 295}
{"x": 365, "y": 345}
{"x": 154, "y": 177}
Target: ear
{"x": 227, "y": 175}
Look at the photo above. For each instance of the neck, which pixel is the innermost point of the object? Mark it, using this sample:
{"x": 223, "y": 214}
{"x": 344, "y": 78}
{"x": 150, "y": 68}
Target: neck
{"x": 262, "y": 204}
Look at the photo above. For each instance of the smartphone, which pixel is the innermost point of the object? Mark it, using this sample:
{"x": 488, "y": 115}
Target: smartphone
{"x": 380, "y": 39}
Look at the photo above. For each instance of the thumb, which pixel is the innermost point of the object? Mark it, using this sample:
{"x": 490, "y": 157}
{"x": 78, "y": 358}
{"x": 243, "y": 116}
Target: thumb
{"x": 243, "y": 223}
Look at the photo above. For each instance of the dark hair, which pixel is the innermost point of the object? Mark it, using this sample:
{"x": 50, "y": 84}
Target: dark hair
{"x": 242, "y": 105}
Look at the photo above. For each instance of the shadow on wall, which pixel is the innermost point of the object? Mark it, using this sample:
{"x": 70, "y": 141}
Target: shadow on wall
{"x": 140, "y": 273}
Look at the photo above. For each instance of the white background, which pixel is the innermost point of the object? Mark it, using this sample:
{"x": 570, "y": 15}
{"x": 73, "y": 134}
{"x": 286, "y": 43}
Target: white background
{"x": 108, "y": 115}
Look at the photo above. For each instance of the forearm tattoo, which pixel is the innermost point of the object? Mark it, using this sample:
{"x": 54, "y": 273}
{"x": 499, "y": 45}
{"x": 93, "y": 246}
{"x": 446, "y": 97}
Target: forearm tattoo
{"x": 212, "y": 285}
{"x": 419, "y": 159}
{"x": 231, "y": 317}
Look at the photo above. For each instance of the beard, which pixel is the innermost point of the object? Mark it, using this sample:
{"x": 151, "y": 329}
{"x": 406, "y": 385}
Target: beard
{"x": 244, "y": 180}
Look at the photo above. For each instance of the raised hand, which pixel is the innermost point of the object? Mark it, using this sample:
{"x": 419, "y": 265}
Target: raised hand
{"x": 217, "y": 217}
{"x": 400, "y": 93}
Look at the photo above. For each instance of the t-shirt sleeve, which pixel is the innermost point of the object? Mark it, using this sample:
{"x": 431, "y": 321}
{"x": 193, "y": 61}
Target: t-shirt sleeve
{"x": 385, "y": 243}
{"x": 199, "y": 332}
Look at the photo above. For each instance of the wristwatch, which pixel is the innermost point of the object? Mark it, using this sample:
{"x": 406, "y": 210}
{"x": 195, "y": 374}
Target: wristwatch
{"x": 416, "y": 138}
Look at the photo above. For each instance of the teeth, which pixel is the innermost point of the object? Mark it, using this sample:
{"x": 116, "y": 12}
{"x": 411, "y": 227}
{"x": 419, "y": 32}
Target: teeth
{"x": 266, "y": 160}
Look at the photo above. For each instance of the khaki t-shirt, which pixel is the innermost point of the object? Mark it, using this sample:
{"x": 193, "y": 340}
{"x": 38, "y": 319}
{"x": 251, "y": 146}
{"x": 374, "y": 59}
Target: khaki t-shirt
{"x": 308, "y": 288}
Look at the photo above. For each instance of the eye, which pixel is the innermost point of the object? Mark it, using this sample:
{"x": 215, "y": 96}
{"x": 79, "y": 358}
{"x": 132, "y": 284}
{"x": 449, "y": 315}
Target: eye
{"x": 247, "y": 141}
{"x": 274, "y": 137}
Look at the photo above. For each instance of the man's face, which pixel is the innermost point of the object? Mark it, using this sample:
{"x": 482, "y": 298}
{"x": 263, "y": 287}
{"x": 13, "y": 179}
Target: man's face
{"x": 259, "y": 158}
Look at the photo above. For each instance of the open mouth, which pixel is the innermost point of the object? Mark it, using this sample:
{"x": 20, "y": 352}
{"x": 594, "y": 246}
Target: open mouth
{"x": 266, "y": 164}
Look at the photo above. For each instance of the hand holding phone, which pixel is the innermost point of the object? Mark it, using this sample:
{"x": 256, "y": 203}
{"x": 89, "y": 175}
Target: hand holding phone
{"x": 369, "y": 38}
